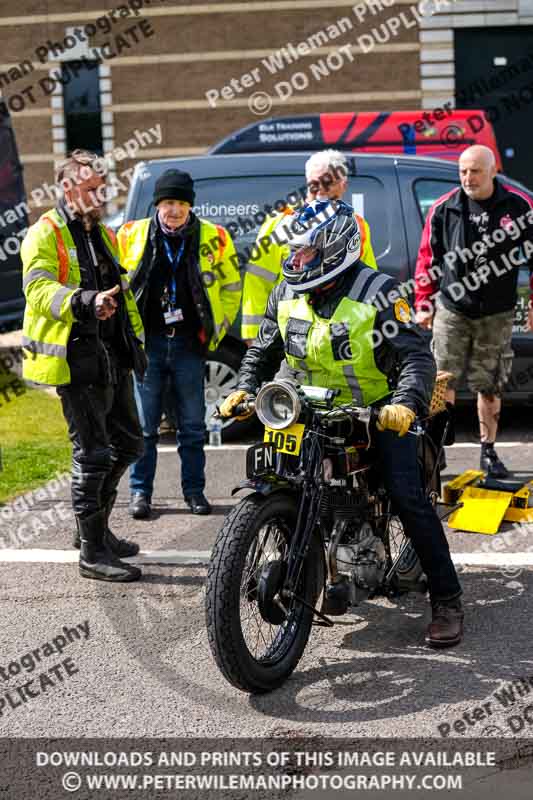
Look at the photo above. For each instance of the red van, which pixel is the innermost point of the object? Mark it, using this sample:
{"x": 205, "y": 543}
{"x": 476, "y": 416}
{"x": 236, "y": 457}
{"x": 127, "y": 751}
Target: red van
{"x": 442, "y": 132}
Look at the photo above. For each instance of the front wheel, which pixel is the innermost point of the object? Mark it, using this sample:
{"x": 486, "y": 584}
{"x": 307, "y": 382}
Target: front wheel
{"x": 256, "y": 636}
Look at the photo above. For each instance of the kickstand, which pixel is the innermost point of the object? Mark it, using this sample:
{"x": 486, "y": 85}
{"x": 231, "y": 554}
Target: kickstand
{"x": 325, "y": 622}
{"x": 452, "y": 507}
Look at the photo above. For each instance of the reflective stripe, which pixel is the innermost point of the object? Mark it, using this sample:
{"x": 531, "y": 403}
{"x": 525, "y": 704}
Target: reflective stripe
{"x": 43, "y": 348}
{"x": 362, "y": 230}
{"x": 252, "y": 319}
{"x": 57, "y": 301}
{"x": 353, "y": 383}
{"x": 38, "y": 273}
{"x": 359, "y": 282}
{"x": 378, "y": 282}
{"x": 261, "y": 272}
{"x": 141, "y": 336}
{"x": 224, "y": 325}
{"x": 124, "y": 283}
{"x": 61, "y": 251}
{"x": 232, "y": 287}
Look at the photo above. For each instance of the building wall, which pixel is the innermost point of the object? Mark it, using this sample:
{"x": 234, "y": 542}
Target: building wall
{"x": 437, "y": 67}
{"x": 194, "y": 48}
{"x": 187, "y": 49}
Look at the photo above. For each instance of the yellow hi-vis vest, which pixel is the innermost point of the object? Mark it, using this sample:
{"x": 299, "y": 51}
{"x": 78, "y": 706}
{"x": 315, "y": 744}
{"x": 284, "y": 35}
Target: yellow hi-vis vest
{"x": 336, "y": 353}
{"x": 50, "y": 276}
{"x": 219, "y": 268}
{"x": 263, "y": 270}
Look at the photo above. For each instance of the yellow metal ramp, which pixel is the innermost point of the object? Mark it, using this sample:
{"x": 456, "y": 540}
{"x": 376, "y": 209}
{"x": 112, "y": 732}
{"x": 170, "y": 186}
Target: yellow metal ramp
{"x": 484, "y": 509}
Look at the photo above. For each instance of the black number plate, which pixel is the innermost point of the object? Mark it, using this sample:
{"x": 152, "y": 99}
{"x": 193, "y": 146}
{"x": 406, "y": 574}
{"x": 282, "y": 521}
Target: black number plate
{"x": 260, "y": 460}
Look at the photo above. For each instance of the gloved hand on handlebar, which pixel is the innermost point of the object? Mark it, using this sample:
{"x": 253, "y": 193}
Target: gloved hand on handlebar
{"x": 233, "y": 400}
{"x": 395, "y": 418}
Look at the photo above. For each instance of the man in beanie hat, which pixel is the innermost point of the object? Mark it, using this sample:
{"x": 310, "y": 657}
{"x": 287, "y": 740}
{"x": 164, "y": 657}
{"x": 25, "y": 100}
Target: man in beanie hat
{"x": 184, "y": 273}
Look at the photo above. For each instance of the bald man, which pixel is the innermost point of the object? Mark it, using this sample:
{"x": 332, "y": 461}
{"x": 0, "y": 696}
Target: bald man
{"x": 474, "y": 242}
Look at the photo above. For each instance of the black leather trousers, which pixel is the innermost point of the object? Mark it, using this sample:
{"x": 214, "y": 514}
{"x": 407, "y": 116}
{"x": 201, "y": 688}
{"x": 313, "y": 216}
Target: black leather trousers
{"x": 106, "y": 437}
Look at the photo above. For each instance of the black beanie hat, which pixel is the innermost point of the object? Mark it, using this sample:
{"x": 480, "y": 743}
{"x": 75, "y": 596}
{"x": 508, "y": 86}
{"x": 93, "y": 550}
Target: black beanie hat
{"x": 174, "y": 185}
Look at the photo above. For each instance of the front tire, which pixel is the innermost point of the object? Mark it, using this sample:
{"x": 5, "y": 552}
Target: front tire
{"x": 255, "y": 655}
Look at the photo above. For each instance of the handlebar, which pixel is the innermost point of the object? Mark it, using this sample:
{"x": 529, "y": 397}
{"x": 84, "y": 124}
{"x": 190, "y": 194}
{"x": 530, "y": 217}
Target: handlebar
{"x": 244, "y": 408}
{"x": 241, "y": 408}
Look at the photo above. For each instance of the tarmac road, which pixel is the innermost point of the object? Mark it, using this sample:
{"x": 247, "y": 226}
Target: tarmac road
{"x": 145, "y": 668}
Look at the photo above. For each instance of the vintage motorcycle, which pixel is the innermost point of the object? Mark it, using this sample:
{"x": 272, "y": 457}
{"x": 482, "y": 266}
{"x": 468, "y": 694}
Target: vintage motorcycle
{"x": 318, "y": 522}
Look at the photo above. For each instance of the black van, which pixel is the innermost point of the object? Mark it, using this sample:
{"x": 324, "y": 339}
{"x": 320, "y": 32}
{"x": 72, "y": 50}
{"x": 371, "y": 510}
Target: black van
{"x": 394, "y": 193}
{"x": 13, "y": 225}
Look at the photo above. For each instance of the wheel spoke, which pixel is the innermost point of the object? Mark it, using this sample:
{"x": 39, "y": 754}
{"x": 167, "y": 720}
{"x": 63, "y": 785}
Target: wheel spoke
{"x": 263, "y": 639}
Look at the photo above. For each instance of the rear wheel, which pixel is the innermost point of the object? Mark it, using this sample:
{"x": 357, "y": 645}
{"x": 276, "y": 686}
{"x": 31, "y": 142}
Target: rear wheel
{"x": 256, "y": 636}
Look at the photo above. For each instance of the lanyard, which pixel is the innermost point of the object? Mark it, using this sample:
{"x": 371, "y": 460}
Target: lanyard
{"x": 174, "y": 261}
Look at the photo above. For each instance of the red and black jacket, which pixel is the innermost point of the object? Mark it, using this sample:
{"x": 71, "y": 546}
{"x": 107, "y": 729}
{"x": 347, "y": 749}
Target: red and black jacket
{"x": 440, "y": 266}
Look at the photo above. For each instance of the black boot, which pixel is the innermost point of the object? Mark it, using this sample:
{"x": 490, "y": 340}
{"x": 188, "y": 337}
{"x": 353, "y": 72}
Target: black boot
{"x": 490, "y": 463}
{"x": 119, "y": 547}
{"x": 96, "y": 560}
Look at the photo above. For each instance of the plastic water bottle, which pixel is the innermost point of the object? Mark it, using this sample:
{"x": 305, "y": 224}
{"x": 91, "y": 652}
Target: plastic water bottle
{"x": 215, "y": 431}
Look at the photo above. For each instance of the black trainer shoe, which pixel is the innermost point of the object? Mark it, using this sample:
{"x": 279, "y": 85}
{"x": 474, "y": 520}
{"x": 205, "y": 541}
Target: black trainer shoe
{"x": 491, "y": 464}
{"x": 139, "y": 507}
{"x": 198, "y": 504}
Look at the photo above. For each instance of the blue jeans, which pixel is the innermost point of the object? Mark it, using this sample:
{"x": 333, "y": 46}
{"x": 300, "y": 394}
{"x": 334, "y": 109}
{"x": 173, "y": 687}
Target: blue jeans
{"x": 172, "y": 356}
{"x": 398, "y": 464}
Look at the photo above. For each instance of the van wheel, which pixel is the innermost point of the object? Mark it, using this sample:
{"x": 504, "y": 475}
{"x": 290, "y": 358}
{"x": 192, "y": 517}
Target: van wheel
{"x": 222, "y": 369}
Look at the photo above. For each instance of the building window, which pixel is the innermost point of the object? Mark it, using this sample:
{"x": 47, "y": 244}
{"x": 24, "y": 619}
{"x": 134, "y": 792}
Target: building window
{"x": 81, "y": 102}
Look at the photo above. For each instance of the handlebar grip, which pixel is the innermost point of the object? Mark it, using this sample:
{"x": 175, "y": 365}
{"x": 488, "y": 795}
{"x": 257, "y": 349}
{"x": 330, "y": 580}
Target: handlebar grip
{"x": 244, "y": 408}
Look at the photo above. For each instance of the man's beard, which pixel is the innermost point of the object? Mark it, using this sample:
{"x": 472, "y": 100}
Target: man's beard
{"x": 91, "y": 218}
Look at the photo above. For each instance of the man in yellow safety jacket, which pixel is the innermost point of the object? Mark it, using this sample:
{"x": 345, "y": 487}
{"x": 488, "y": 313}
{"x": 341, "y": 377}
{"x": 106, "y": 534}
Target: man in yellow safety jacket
{"x": 327, "y": 177}
{"x": 184, "y": 273}
{"x": 326, "y": 320}
{"x": 83, "y": 332}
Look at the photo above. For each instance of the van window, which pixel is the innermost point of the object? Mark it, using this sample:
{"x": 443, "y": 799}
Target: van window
{"x": 367, "y": 196}
{"x": 427, "y": 191}
{"x": 242, "y": 205}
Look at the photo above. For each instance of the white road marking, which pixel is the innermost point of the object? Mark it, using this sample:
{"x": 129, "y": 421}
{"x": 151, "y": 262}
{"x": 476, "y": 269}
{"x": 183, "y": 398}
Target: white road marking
{"x": 477, "y": 444}
{"x": 170, "y": 448}
{"x": 185, "y": 557}
{"x": 71, "y": 556}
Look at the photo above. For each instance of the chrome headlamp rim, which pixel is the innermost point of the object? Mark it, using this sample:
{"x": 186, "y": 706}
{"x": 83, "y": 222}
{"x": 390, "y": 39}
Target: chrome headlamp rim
{"x": 262, "y": 404}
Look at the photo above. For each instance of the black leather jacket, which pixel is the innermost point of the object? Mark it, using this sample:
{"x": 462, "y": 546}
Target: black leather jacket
{"x": 446, "y": 236}
{"x": 405, "y": 358}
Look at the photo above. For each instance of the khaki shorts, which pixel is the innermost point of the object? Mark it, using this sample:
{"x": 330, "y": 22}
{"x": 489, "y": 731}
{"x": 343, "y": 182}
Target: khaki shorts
{"x": 481, "y": 348}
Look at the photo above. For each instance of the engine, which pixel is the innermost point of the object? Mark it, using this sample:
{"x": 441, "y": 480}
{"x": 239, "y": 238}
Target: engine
{"x": 363, "y": 558}
{"x": 356, "y": 565}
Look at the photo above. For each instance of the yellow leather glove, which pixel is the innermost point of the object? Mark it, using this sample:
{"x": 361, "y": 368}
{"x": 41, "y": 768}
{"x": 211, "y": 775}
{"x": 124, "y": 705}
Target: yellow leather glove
{"x": 232, "y": 400}
{"x": 395, "y": 418}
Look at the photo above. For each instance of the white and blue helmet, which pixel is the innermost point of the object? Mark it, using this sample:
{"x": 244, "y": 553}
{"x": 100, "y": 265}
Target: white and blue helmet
{"x": 329, "y": 227}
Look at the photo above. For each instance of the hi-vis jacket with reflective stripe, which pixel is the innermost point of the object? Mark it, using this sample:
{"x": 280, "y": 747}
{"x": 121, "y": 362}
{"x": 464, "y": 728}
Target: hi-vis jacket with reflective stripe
{"x": 345, "y": 339}
{"x": 51, "y": 275}
{"x": 263, "y": 270}
{"x": 216, "y": 293}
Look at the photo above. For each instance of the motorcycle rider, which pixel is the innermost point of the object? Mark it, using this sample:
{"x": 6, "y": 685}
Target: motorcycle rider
{"x": 339, "y": 323}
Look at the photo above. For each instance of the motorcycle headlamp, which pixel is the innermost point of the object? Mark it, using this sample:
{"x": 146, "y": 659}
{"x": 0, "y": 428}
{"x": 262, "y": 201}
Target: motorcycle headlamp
{"x": 278, "y": 405}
